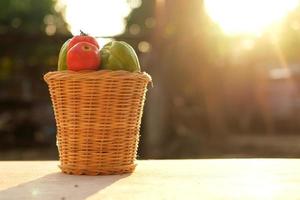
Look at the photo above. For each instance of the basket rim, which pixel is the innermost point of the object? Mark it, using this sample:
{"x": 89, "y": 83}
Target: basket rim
{"x": 94, "y": 75}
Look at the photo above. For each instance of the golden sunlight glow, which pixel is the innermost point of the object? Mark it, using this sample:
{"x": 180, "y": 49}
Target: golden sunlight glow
{"x": 96, "y": 17}
{"x": 247, "y": 16}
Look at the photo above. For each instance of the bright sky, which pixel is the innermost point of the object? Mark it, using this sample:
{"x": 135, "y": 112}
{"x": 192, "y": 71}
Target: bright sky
{"x": 248, "y": 16}
{"x": 106, "y": 17}
{"x": 96, "y": 17}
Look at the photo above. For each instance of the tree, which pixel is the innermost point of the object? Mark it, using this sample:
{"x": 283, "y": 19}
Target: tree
{"x": 31, "y": 33}
{"x": 185, "y": 105}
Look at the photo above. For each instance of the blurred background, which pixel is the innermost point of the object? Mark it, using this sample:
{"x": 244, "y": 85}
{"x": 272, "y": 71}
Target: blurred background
{"x": 226, "y": 74}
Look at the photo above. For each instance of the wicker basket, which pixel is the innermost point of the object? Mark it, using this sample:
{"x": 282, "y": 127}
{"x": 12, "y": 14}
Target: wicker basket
{"x": 98, "y": 116}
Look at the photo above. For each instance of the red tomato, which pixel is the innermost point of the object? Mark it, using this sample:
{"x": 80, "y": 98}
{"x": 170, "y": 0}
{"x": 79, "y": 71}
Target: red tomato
{"x": 82, "y": 38}
{"x": 83, "y": 56}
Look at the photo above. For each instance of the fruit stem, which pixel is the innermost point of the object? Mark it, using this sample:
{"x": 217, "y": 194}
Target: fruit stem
{"x": 82, "y": 33}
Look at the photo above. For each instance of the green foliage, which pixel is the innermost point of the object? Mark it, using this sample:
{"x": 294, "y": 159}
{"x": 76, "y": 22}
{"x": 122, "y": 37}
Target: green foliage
{"x": 29, "y": 17}
{"x": 31, "y": 33}
{"x": 139, "y": 16}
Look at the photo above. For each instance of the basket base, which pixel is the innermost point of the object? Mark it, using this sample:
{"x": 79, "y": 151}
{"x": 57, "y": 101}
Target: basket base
{"x": 100, "y": 171}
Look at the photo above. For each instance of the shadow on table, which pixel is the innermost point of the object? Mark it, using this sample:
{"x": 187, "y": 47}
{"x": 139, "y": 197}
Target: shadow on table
{"x": 61, "y": 187}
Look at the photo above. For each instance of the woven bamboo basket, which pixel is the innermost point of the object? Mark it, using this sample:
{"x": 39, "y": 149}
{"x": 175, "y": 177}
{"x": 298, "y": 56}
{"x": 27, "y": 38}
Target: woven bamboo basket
{"x": 98, "y": 116}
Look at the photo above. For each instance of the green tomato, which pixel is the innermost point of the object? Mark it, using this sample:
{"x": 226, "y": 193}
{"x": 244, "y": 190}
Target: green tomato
{"x": 118, "y": 55}
{"x": 62, "y": 58}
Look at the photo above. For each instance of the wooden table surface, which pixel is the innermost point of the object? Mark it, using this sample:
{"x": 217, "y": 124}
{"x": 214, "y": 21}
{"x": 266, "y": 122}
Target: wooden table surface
{"x": 157, "y": 179}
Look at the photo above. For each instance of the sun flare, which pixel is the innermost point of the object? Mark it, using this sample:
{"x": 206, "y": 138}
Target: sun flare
{"x": 98, "y": 18}
{"x": 247, "y": 16}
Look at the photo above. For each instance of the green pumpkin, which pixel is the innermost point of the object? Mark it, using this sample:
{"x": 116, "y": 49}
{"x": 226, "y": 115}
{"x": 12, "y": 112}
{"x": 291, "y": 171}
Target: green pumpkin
{"x": 118, "y": 55}
{"x": 62, "y": 58}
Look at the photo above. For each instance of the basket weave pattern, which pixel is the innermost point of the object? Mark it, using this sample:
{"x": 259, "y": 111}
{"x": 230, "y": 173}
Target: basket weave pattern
{"x": 98, "y": 116}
